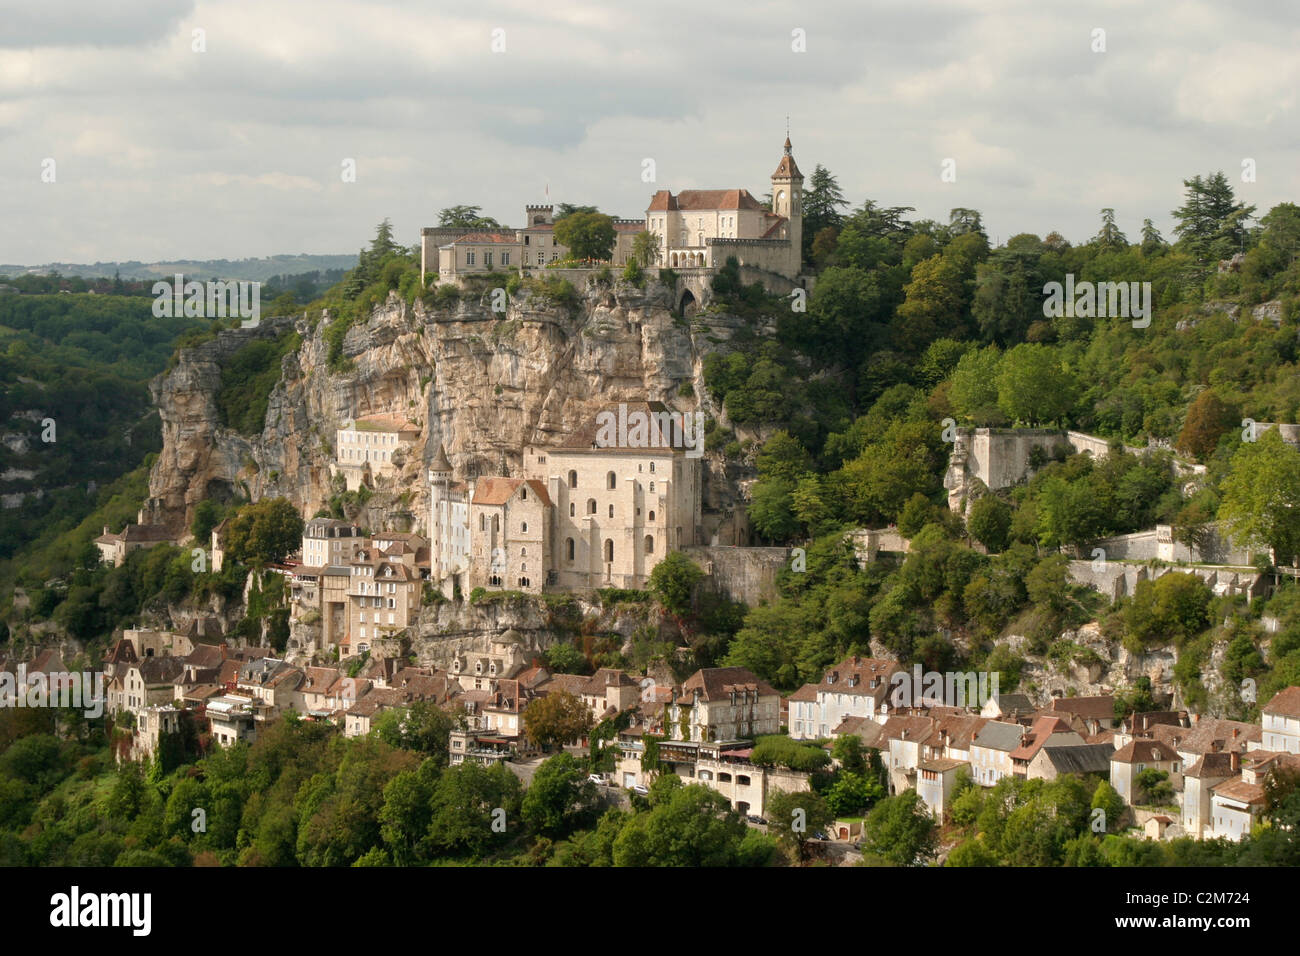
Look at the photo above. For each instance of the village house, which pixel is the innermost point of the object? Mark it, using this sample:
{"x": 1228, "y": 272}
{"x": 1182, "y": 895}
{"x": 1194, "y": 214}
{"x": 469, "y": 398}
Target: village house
{"x": 1046, "y": 731}
{"x": 1001, "y": 706}
{"x": 936, "y": 778}
{"x": 990, "y": 752}
{"x": 1280, "y": 722}
{"x": 1088, "y": 715}
{"x": 330, "y": 542}
{"x": 723, "y": 703}
{"x": 1080, "y": 759}
{"x": 369, "y": 447}
{"x": 1129, "y": 761}
{"x": 384, "y": 596}
{"x": 1199, "y": 781}
{"x": 856, "y": 687}
{"x": 114, "y": 547}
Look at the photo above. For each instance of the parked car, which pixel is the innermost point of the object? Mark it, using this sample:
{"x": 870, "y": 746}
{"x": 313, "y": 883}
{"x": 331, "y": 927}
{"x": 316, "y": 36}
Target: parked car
{"x": 821, "y": 835}
{"x": 641, "y": 791}
{"x": 755, "y": 818}
{"x": 596, "y": 778}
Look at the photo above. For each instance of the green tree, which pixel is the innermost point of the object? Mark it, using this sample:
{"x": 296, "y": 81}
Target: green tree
{"x": 587, "y": 235}
{"x": 1033, "y": 387}
{"x": 1211, "y": 222}
{"x": 645, "y": 248}
{"x": 1260, "y": 496}
{"x": 558, "y": 718}
{"x": 901, "y": 830}
{"x": 560, "y": 798}
{"x": 264, "y": 532}
{"x": 795, "y": 818}
{"x": 990, "y": 522}
{"x": 420, "y": 726}
{"x": 466, "y": 217}
{"x": 673, "y": 581}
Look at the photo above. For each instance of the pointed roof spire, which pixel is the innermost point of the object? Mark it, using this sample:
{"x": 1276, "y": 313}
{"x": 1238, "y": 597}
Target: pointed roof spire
{"x": 440, "y": 462}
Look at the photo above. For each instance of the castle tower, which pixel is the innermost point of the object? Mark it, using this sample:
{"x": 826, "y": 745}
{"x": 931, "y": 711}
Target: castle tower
{"x": 439, "y": 513}
{"x": 787, "y": 200}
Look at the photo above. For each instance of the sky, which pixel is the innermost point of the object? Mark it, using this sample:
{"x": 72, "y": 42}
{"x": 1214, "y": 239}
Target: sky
{"x": 160, "y": 150}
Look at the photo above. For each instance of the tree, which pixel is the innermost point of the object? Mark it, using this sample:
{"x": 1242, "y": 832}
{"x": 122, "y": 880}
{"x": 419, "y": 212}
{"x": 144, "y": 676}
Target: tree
{"x": 1260, "y": 496}
{"x": 934, "y": 304}
{"x": 1107, "y": 799}
{"x": 794, "y": 818}
{"x": 974, "y": 391}
{"x": 588, "y": 235}
{"x": 566, "y": 659}
{"x": 901, "y": 830}
{"x": 466, "y": 217}
{"x": 421, "y": 726}
{"x": 560, "y": 797}
{"x": 1110, "y": 239}
{"x": 690, "y": 826}
{"x": 1209, "y": 418}
{"x": 990, "y": 522}
{"x": 264, "y": 532}
{"x": 566, "y": 209}
{"x": 464, "y": 805}
{"x": 821, "y": 202}
{"x": 557, "y": 718}
{"x": 1152, "y": 242}
{"x": 1033, "y": 386}
{"x": 645, "y": 248}
{"x": 1168, "y": 610}
{"x": 1211, "y": 223}
{"x": 673, "y": 581}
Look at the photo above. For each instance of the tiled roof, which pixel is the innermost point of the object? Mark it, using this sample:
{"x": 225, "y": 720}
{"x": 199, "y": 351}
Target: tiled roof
{"x": 497, "y": 491}
{"x": 1285, "y": 703}
{"x": 808, "y": 692}
{"x": 714, "y": 683}
{"x": 1239, "y": 790}
{"x": 484, "y": 237}
{"x": 854, "y": 676}
{"x": 1144, "y": 751}
{"x": 1081, "y": 758}
{"x": 1094, "y": 708}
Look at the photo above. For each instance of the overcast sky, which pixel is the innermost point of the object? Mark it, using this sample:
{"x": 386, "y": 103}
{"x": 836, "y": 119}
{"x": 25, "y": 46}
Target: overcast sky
{"x": 161, "y": 152}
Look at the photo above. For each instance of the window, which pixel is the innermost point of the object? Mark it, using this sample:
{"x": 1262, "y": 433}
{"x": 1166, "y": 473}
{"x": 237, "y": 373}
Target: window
{"x": 505, "y": 258}
{"x": 610, "y": 480}
{"x": 652, "y": 486}
{"x": 523, "y": 552}
{"x": 469, "y": 257}
{"x": 652, "y": 467}
{"x": 652, "y": 517}
{"x": 573, "y": 479}
{"x": 523, "y": 493}
{"x": 568, "y": 548}
{"x": 591, "y": 506}
{"x": 649, "y": 544}
{"x": 609, "y": 549}
{"x": 571, "y": 509}
{"x": 523, "y": 527}
{"x": 487, "y": 258}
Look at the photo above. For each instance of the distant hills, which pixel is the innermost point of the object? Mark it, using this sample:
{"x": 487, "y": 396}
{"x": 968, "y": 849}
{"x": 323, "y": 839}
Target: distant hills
{"x": 259, "y": 270}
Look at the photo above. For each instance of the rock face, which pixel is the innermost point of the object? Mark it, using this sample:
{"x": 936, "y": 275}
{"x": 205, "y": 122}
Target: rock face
{"x": 484, "y": 384}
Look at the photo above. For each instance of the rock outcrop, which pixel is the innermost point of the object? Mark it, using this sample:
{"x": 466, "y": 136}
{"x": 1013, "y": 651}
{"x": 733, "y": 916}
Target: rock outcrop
{"x": 483, "y": 384}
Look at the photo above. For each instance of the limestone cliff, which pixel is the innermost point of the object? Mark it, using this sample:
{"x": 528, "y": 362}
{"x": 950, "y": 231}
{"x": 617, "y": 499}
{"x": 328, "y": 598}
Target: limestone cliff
{"x": 485, "y": 384}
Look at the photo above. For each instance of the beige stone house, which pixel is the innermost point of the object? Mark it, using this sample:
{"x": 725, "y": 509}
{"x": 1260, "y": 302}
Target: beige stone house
{"x": 383, "y": 597}
{"x": 723, "y": 703}
{"x": 366, "y": 447}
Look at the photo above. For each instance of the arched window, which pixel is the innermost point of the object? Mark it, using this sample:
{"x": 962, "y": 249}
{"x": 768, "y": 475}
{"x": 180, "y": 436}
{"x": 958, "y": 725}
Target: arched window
{"x": 652, "y": 466}
{"x": 482, "y": 522}
{"x": 609, "y": 480}
{"x": 649, "y": 544}
{"x": 523, "y": 527}
{"x": 573, "y": 479}
{"x": 609, "y": 549}
{"x": 568, "y": 548}
{"x": 591, "y": 506}
{"x": 496, "y": 523}
{"x": 571, "y": 509}
{"x": 611, "y": 511}
{"x": 523, "y": 552}
{"x": 652, "y": 517}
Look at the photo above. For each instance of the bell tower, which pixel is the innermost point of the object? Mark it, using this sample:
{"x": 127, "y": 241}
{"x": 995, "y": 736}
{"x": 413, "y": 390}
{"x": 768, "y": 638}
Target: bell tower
{"x": 787, "y": 200}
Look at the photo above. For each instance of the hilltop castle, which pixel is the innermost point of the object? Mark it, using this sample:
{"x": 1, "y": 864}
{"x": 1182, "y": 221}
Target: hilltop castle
{"x": 695, "y": 228}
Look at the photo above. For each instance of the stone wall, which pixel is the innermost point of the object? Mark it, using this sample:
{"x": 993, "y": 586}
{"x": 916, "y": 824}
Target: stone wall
{"x": 1117, "y": 579}
{"x": 742, "y": 574}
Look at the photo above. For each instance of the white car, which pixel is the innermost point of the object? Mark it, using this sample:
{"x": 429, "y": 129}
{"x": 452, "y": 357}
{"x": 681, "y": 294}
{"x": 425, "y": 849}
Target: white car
{"x": 596, "y": 778}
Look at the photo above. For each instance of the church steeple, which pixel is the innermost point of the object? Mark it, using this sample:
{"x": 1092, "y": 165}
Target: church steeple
{"x": 787, "y": 201}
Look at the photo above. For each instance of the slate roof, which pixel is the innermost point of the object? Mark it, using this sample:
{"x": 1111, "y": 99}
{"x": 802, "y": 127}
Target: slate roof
{"x": 1081, "y": 758}
{"x": 998, "y": 735}
{"x": 1144, "y": 751}
{"x": 1094, "y": 708}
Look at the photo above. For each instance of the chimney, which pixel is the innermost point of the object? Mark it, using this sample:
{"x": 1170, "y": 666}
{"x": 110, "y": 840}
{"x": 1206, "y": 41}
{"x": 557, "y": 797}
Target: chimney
{"x": 1235, "y": 764}
{"x": 1235, "y": 731}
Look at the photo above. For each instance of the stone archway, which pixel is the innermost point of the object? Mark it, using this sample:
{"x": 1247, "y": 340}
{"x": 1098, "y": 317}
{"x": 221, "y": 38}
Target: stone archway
{"x": 687, "y": 304}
